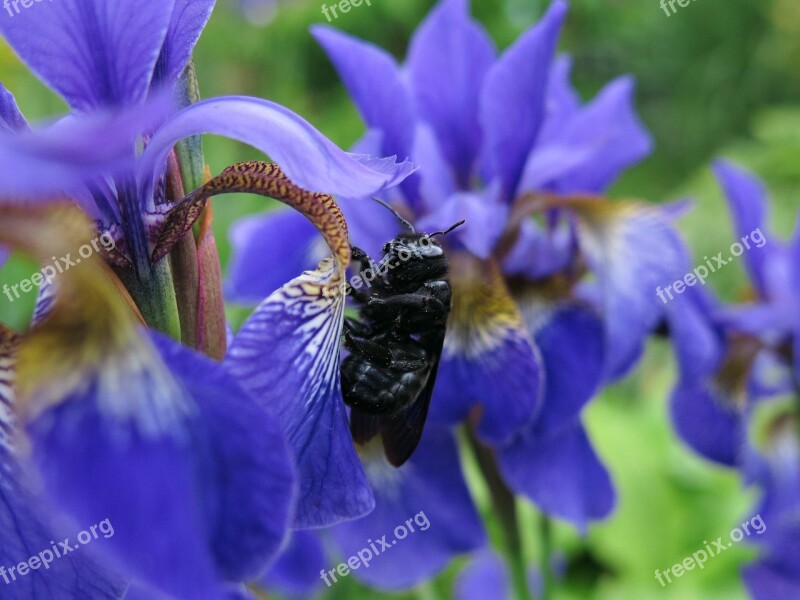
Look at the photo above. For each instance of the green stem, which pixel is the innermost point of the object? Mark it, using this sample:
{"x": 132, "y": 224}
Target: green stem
{"x": 505, "y": 507}
{"x": 155, "y": 298}
{"x": 545, "y": 556}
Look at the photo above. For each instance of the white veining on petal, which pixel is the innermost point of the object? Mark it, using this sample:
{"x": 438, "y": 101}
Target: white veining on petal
{"x": 7, "y": 417}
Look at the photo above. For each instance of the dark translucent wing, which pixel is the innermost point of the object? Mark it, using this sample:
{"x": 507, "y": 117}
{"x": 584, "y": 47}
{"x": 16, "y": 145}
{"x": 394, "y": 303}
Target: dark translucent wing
{"x": 401, "y": 433}
{"x": 363, "y": 427}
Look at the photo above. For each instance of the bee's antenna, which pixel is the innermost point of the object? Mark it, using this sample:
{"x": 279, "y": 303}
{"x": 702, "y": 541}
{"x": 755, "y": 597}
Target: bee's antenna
{"x": 456, "y": 226}
{"x": 391, "y": 209}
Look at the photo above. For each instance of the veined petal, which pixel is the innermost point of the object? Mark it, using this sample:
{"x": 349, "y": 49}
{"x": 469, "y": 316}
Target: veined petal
{"x": 287, "y": 356}
{"x": 437, "y": 177}
{"x": 92, "y": 52}
{"x": 539, "y": 253}
{"x": 516, "y": 85}
{"x": 311, "y": 160}
{"x": 448, "y": 62}
{"x": 11, "y": 119}
{"x": 489, "y": 358}
{"x": 427, "y": 497}
{"x": 635, "y": 252}
{"x": 189, "y": 17}
{"x": 560, "y": 473}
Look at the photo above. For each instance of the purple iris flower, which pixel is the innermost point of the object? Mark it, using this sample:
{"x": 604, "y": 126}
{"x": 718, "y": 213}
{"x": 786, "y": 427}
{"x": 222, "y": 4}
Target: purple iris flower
{"x": 731, "y": 358}
{"x": 498, "y": 139}
{"x": 190, "y": 464}
{"x": 737, "y": 360}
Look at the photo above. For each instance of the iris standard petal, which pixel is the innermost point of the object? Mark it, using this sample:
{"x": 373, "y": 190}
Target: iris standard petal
{"x": 539, "y": 253}
{"x": 489, "y": 358}
{"x": 516, "y": 85}
{"x": 189, "y": 17}
{"x": 437, "y": 177}
{"x": 376, "y": 86}
{"x": 296, "y": 572}
{"x": 269, "y": 250}
{"x": 560, "y": 473}
{"x": 747, "y": 199}
{"x": 93, "y": 52}
{"x": 11, "y": 118}
{"x": 606, "y": 135}
{"x": 311, "y": 160}
{"x": 448, "y": 60}
{"x": 424, "y": 515}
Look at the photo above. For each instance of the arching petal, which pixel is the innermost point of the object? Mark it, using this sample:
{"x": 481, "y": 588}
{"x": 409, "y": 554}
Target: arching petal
{"x": 11, "y": 118}
{"x": 309, "y": 159}
{"x": 560, "y": 473}
{"x": 92, "y": 52}
{"x": 189, "y": 17}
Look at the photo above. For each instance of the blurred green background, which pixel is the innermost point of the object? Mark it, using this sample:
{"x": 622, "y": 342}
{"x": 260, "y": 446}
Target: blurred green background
{"x": 719, "y": 78}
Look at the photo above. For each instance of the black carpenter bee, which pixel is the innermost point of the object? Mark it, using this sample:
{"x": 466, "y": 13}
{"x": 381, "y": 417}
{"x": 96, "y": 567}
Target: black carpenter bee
{"x": 396, "y": 342}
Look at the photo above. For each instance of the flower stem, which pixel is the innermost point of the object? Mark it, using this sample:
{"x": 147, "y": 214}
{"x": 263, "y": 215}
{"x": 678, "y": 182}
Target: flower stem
{"x": 546, "y": 552}
{"x": 505, "y": 507}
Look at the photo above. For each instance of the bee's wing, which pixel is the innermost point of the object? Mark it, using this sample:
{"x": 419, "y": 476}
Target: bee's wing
{"x": 401, "y": 433}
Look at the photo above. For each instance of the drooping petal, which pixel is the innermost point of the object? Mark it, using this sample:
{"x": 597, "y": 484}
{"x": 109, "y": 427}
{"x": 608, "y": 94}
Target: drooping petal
{"x": 424, "y": 516}
{"x": 104, "y": 413}
{"x": 708, "y": 422}
{"x": 11, "y": 118}
{"x": 268, "y": 251}
{"x": 635, "y": 252}
{"x": 311, "y": 160}
{"x": 560, "y": 473}
{"x": 287, "y": 356}
{"x": 570, "y": 338}
{"x": 27, "y": 523}
{"x": 296, "y": 572}
{"x": 489, "y": 358}
{"x": 92, "y": 52}
{"x": 516, "y": 85}
{"x": 747, "y": 199}
{"x": 189, "y": 17}
{"x": 449, "y": 58}
{"x": 697, "y": 342}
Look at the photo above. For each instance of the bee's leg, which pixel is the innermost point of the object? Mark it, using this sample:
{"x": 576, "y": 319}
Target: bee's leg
{"x": 422, "y": 300}
{"x": 368, "y": 273}
{"x": 374, "y": 352}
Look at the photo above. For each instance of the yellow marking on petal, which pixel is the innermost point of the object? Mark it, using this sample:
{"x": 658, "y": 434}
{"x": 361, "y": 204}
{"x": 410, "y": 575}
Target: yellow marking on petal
{"x": 483, "y": 311}
{"x": 91, "y": 335}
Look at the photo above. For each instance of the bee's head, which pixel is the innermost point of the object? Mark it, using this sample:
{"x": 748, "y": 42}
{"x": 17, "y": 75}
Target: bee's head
{"x": 414, "y": 245}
